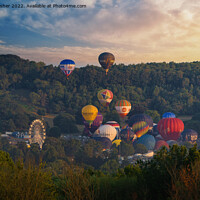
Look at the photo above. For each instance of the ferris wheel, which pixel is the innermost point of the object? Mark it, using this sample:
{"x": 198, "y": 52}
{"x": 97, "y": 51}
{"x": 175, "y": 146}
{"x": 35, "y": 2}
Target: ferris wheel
{"x": 37, "y": 132}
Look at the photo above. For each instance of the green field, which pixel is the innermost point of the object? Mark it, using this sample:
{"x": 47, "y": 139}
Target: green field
{"x": 185, "y": 117}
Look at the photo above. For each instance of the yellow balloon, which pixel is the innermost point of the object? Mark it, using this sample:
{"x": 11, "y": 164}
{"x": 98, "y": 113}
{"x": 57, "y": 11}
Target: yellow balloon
{"x": 89, "y": 113}
{"x": 117, "y": 142}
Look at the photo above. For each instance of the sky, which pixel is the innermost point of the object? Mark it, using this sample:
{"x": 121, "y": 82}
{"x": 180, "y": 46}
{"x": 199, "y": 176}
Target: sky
{"x": 134, "y": 31}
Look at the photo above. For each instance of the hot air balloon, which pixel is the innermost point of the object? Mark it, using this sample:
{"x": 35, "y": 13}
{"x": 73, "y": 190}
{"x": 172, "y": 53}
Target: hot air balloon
{"x": 116, "y": 142}
{"x": 141, "y": 117}
{"x": 67, "y": 66}
{"x": 95, "y": 124}
{"x": 105, "y": 142}
{"x": 170, "y": 128}
{"x": 140, "y": 128}
{"x": 106, "y": 131}
{"x": 106, "y": 60}
{"x": 123, "y": 107}
{"x": 147, "y": 140}
{"x": 161, "y": 143}
{"x": 115, "y": 125}
{"x": 105, "y": 97}
{"x": 127, "y": 134}
{"x": 89, "y": 113}
{"x": 189, "y": 135}
{"x": 168, "y": 115}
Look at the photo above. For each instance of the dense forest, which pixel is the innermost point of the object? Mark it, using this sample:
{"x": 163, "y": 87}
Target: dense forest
{"x": 29, "y": 89}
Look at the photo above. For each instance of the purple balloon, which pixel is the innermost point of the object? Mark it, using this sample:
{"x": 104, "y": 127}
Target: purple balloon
{"x": 96, "y": 123}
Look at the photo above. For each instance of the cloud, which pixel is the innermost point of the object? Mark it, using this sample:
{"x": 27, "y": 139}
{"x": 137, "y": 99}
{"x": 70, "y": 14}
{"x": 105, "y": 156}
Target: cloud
{"x": 54, "y": 55}
{"x": 87, "y": 55}
{"x": 106, "y": 23}
{"x": 3, "y": 13}
{"x": 106, "y": 2}
{"x": 138, "y": 29}
{"x": 89, "y": 4}
{"x": 2, "y": 42}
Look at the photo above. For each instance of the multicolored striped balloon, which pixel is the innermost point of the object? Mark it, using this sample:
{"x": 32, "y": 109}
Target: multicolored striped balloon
{"x": 114, "y": 124}
{"x": 105, "y": 97}
{"x": 141, "y": 117}
{"x": 123, "y": 107}
{"x": 140, "y": 128}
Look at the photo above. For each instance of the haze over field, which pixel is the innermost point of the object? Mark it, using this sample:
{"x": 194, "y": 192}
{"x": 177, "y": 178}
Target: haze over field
{"x": 134, "y": 31}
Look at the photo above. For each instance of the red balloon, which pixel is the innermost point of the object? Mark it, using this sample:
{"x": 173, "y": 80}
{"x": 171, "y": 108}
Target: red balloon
{"x": 170, "y": 128}
{"x": 161, "y": 143}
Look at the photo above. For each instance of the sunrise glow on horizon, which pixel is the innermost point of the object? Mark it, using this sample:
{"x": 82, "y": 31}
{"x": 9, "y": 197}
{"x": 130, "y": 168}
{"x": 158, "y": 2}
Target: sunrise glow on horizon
{"x": 135, "y": 31}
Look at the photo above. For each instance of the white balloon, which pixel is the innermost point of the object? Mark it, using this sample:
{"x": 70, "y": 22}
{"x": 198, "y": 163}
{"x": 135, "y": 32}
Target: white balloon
{"x": 107, "y": 131}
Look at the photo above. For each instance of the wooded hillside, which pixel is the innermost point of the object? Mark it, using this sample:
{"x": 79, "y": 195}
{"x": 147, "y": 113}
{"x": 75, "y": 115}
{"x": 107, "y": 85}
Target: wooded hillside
{"x": 28, "y": 87}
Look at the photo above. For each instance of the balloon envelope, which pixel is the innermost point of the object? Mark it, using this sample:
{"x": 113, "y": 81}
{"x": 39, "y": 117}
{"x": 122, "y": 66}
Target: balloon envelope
{"x": 95, "y": 124}
{"x": 127, "y": 134}
{"x": 106, "y": 131}
{"x": 170, "y": 128}
{"x": 160, "y": 144}
{"x": 123, "y": 107}
{"x": 106, "y": 60}
{"x": 189, "y": 135}
{"x": 140, "y": 128}
{"x": 116, "y": 142}
{"x": 141, "y": 117}
{"x": 105, "y": 97}
{"x": 113, "y": 124}
{"x": 67, "y": 66}
{"x": 169, "y": 115}
{"x": 148, "y": 141}
{"x": 89, "y": 113}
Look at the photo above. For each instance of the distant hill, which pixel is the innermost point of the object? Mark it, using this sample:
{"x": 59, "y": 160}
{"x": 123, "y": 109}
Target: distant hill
{"x": 27, "y": 87}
